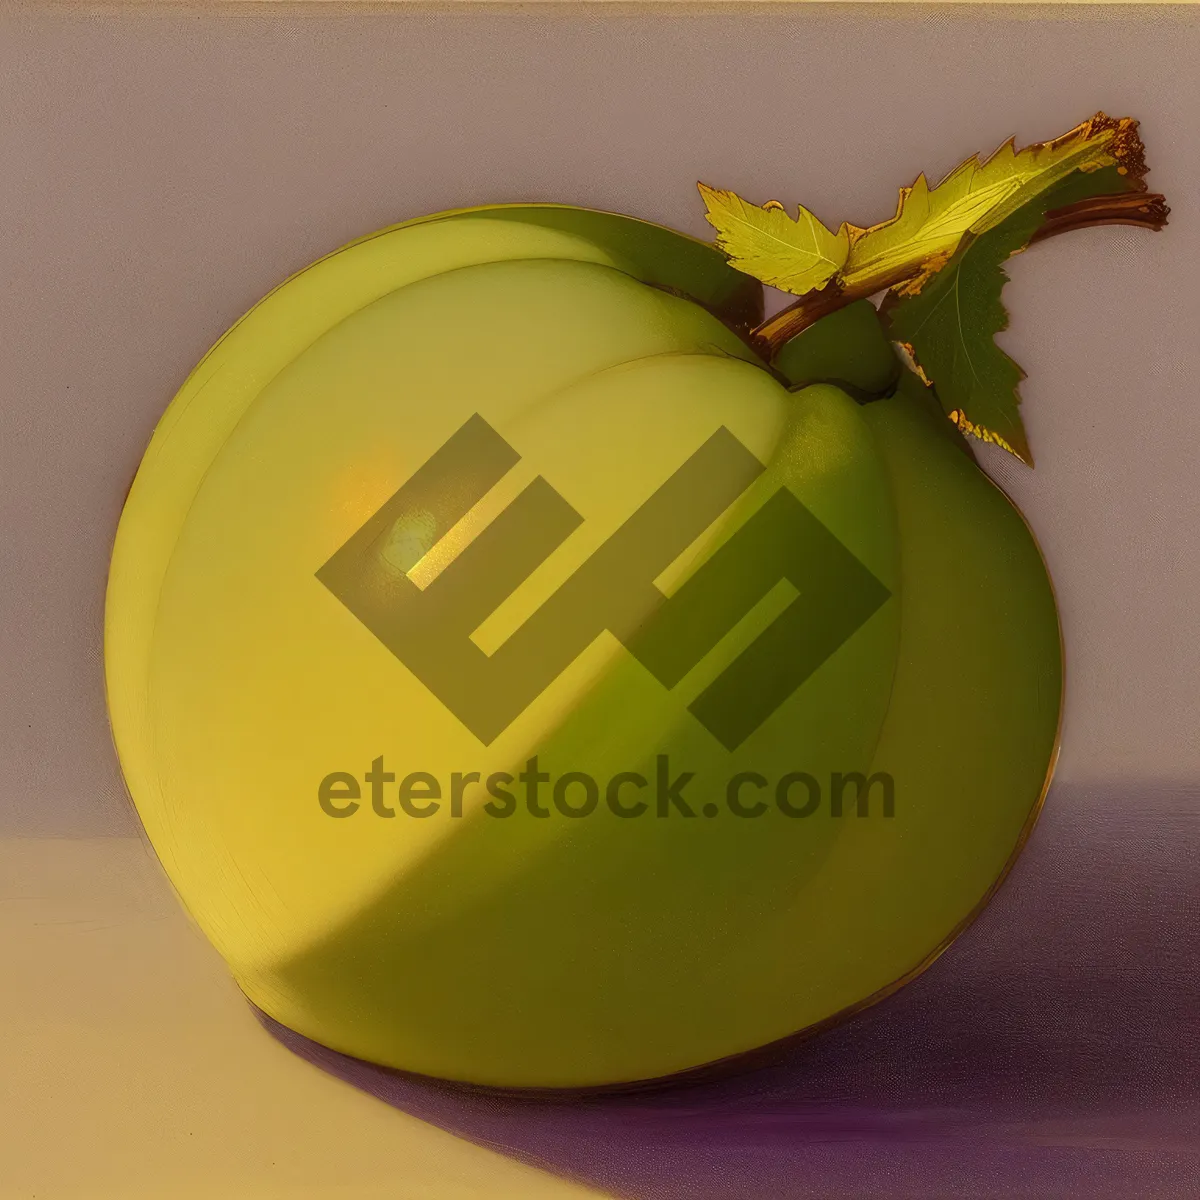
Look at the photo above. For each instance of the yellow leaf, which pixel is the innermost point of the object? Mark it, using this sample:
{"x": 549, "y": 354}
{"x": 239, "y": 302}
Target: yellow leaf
{"x": 976, "y": 196}
{"x": 796, "y": 256}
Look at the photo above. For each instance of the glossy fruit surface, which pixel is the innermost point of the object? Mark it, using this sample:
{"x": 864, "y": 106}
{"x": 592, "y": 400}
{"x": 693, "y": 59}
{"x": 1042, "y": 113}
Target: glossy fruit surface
{"x": 525, "y": 950}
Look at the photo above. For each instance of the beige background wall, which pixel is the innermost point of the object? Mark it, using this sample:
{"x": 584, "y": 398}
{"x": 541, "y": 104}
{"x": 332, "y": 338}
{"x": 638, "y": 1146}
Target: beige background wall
{"x": 161, "y": 167}
{"x": 165, "y": 166}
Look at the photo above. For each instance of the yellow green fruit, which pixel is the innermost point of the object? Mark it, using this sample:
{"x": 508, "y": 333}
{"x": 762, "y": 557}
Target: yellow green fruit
{"x": 531, "y": 951}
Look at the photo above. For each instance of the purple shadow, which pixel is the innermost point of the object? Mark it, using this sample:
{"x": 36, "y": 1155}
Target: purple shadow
{"x": 1053, "y": 1051}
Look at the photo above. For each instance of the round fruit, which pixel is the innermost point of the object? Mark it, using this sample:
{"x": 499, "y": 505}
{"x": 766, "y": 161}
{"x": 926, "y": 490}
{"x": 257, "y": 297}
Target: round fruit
{"x": 487, "y": 530}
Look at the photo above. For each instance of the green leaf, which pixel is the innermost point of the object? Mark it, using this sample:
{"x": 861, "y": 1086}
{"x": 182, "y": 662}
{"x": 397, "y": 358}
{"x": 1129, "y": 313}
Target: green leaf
{"x": 947, "y": 319}
{"x": 796, "y": 256}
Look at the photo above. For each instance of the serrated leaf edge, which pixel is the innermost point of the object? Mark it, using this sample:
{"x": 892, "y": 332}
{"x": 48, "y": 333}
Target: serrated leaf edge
{"x": 804, "y": 218}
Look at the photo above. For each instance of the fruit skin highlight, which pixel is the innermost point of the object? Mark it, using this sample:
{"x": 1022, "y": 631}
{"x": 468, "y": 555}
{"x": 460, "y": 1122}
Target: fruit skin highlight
{"x": 532, "y": 952}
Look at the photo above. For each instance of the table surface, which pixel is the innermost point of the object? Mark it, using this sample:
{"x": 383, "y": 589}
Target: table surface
{"x": 1052, "y": 1052}
{"x": 166, "y": 165}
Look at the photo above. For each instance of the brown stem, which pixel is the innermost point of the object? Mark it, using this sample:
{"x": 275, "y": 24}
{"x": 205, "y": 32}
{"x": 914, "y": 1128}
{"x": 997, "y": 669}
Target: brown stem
{"x": 1146, "y": 210}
